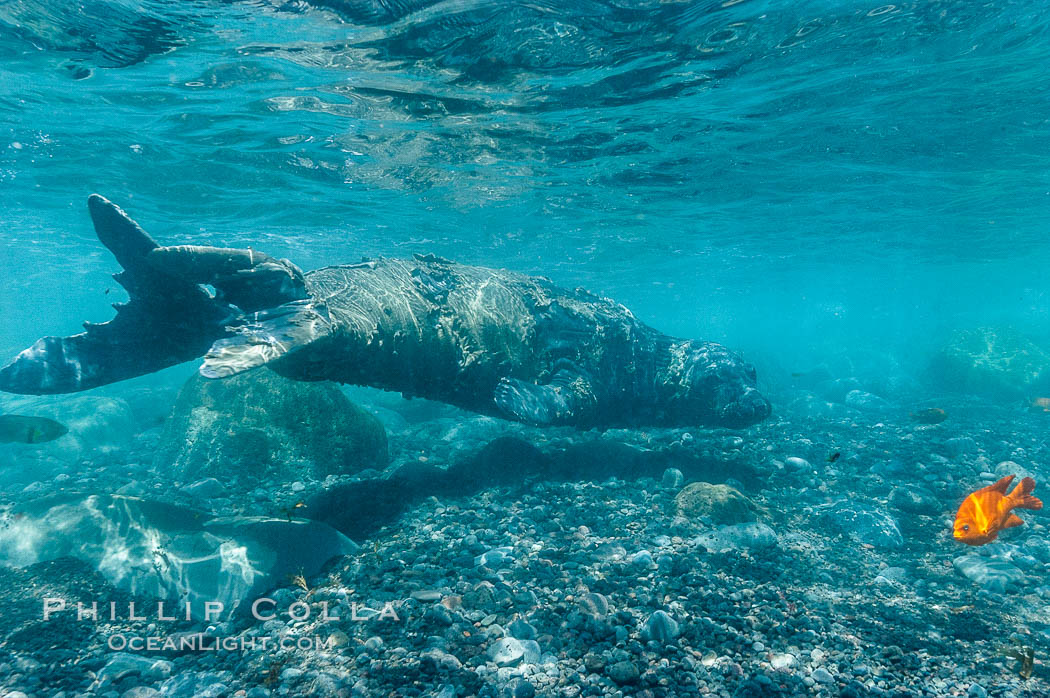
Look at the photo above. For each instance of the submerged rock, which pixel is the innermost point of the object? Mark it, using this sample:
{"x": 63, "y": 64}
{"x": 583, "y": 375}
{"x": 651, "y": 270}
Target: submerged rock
{"x": 864, "y": 523}
{"x": 720, "y": 503}
{"x": 990, "y": 574}
{"x": 672, "y": 479}
{"x": 744, "y": 536}
{"x": 174, "y": 553}
{"x": 660, "y": 628}
{"x": 623, "y": 673}
{"x": 913, "y": 500}
{"x": 122, "y": 664}
{"x": 507, "y": 652}
{"x": 863, "y": 400}
{"x": 995, "y": 362}
{"x": 260, "y": 427}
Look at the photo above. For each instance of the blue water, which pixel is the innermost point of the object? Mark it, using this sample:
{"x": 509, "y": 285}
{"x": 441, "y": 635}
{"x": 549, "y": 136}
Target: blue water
{"x": 831, "y": 188}
{"x": 793, "y": 179}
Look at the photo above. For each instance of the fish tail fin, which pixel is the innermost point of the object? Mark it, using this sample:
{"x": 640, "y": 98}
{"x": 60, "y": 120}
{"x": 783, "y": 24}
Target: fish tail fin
{"x": 1022, "y": 495}
{"x": 167, "y": 320}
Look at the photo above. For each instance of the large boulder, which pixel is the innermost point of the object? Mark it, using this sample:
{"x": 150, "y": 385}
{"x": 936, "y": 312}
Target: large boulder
{"x": 258, "y": 427}
{"x": 721, "y": 504}
{"x": 996, "y": 362}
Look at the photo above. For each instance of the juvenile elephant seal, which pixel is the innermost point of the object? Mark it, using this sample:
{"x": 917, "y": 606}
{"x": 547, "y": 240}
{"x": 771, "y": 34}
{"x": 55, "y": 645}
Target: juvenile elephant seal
{"x": 487, "y": 340}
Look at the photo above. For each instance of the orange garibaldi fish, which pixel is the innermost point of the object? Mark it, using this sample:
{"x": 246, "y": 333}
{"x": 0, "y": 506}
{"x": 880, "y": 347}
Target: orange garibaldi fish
{"x": 990, "y": 509}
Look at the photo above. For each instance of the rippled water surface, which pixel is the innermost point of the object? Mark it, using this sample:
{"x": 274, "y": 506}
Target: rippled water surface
{"x": 786, "y": 177}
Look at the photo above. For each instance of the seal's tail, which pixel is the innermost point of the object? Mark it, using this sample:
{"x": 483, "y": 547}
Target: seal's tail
{"x": 260, "y": 311}
{"x": 167, "y": 320}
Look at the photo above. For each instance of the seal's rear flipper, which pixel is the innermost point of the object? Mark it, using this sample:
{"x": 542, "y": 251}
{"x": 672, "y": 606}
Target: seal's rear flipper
{"x": 247, "y": 279}
{"x": 262, "y": 337}
{"x": 167, "y": 320}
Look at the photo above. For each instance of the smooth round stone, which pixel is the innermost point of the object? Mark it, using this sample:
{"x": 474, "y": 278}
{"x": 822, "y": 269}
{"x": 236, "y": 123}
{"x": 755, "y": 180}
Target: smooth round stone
{"x": 521, "y": 630}
{"x": 672, "y": 478}
{"x": 796, "y": 463}
{"x": 507, "y": 652}
{"x": 136, "y": 692}
{"x": 732, "y": 443}
{"x": 660, "y": 627}
{"x": 976, "y": 690}
{"x": 426, "y": 595}
{"x": 291, "y": 674}
{"x": 643, "y": 559}
{"x": 822, "y": 675}
{"x": 623, "y": 673}
{"x": 594, "y": 604}
{"x": 493, "y": 558}
{"x": 758, "y": 647}
{"x": 523, "y": 689}
{"x": 781, "y": 662}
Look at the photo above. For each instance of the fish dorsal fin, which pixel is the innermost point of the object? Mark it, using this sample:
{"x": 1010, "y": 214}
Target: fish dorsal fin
{"x": 1002, "y": 485}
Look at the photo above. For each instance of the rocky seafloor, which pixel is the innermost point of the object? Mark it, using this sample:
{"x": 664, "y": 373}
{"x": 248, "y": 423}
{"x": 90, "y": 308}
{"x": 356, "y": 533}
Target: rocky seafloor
{"x": 523, "y": 562}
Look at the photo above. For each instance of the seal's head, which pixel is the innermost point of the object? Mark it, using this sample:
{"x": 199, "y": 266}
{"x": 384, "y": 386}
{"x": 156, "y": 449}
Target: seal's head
{"x": 713, "y": 386}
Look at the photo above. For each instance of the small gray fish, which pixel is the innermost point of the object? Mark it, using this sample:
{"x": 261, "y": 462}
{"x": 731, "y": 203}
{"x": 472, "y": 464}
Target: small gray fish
{"x": 17, "y": 428}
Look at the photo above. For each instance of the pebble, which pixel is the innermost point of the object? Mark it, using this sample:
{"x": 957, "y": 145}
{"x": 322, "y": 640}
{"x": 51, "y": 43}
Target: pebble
{"x": 135, "y": 692}
{"x": 864, "y": 522}
{"x": 122, "y": 664}
{"x": 959, "y": 446}
{"x": 494, "y": 558}
{"x": 822, "y": 675}
{"x": 207, "y": 488}
{"x": 507, "y": 652}
{"x": 521, "y": 630}
{"x": 426, "y": 595}
{"x": 594, "y": 604}
{"x": 744, "y": 536}
{"x": 643, "y": 559}
{"x": 672, "y": 479}
{"x": 660, "y": 627}
{"x": 523, "y": 689}
{"x": 623, "y": 673}
{"x": 991, "y": 574}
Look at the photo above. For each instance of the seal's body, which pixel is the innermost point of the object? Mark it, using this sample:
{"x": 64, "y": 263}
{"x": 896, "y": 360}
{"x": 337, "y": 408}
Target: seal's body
{"x": 488, "y": 340}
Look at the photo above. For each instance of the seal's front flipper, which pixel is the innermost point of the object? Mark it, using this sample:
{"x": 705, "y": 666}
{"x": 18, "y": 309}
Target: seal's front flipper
{"x": 166, "y": 321}
{"x": 567, "y": 399}
{"x": 262, "y": 337}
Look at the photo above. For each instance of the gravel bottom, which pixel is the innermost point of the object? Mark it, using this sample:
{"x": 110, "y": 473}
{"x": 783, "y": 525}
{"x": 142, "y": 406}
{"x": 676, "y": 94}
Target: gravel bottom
{"x": 584, "y": 588}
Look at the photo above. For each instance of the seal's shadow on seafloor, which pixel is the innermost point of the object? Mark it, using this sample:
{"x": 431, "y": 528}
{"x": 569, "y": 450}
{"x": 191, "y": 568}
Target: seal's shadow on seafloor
{"x": 360, "y": 509}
